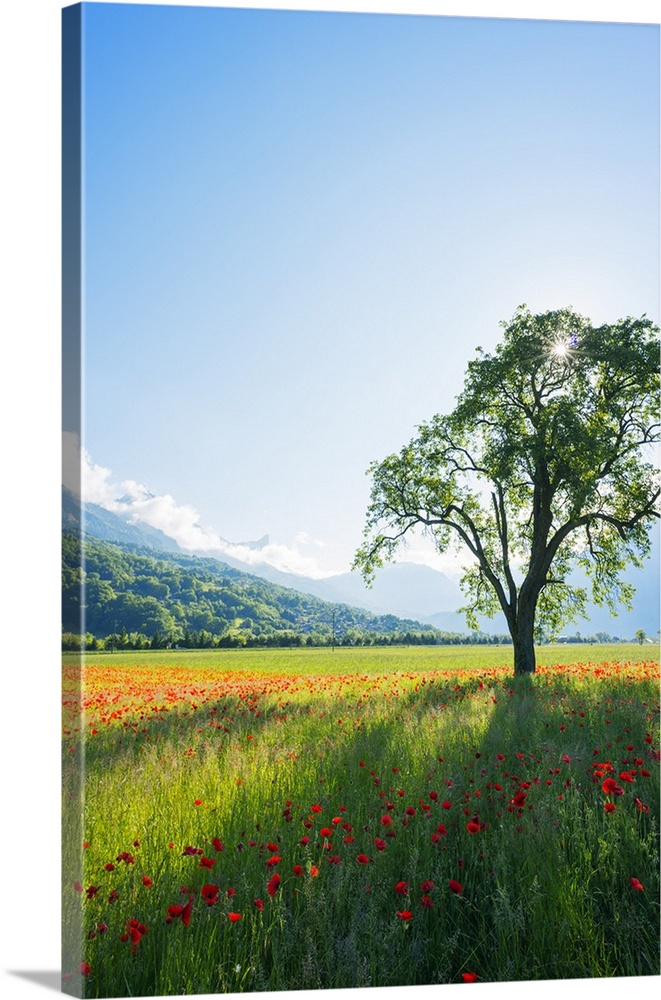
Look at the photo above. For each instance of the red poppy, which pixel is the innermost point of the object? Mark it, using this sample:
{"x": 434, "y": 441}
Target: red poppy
{"x": 85, "y": 969}
{"x": 314, "y": 871}
{"x": 234, "y": 917}
{"x": 362, "y": 859}
{"x": 315, "y": 808}
{"x": 386, "y": 820}
{"x": 210, "y": 894}
{"x": 177, "y": 910}
{"x": 325, "y": 832}
{"x": 135, "y": 931}
{"x": 455, "y": 886}
{"x": 198, "y": 802}
{"x": 402, "y": 888}
{"x": 405, "y": 915}
{"x": 274, "y": 860}
{"x": 609, "y": 807}
{"x": 190, "y": 851}
{"x": 207, "y": 862}
{"x": 635, "y": 884}
{"x": 297, "y": 869}
{"x": 217, "y": 844}
{"x": 641, "y": 806}
{"x": 446, "y": 805}
{"x": 91, "y": 891}
{"x": 304, "y": 841}
{"x": 427, "y": 886}
{"x": 146, "y": 880}
{"x": 427, "y": 902}
{"x": 473, "y": 827}
{"x": 273, "y": 848}
{"x": 469, "y": 977}
{"x": 380, "y": 844}
{"x": 259, "y": 903}
{"x": 272, "y": 884}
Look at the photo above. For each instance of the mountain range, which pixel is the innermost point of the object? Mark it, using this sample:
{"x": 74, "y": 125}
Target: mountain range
{"x": 408, "y": 590}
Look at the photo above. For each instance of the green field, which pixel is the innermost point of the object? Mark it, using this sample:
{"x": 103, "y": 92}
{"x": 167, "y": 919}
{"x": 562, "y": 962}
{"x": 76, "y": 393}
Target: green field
{"x": 428, "y": 816}
{"x": 372, "y": 659}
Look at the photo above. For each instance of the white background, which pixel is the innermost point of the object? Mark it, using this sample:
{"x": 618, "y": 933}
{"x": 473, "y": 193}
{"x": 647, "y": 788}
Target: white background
{"x": 30, "y": 494}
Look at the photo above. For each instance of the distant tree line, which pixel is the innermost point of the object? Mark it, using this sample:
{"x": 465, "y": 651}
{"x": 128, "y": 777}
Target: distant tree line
{"x": 240, "y": 639}
{"x": 123, "y": 597}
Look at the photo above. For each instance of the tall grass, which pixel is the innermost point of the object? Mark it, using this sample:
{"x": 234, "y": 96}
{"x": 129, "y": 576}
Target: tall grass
{"x": 380, "y": 778}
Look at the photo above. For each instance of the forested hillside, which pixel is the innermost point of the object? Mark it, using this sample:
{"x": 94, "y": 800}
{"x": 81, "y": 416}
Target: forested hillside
{"x": 135, "y": 597}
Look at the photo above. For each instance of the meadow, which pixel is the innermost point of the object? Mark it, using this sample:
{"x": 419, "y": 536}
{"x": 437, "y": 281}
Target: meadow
{"x": 299, "y": 819}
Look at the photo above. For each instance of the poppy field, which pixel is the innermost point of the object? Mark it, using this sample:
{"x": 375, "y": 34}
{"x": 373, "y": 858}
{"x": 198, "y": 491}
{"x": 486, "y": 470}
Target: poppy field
{"x": 309, "y": 819}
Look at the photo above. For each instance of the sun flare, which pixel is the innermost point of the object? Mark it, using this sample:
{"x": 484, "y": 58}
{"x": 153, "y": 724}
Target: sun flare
{"x": 560, "y": 349}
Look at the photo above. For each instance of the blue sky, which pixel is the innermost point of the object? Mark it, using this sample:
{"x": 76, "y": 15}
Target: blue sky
{"x": 299, "y": 226}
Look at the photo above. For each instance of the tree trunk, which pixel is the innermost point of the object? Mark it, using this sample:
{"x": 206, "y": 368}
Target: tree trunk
{"x": 524, "y": 646}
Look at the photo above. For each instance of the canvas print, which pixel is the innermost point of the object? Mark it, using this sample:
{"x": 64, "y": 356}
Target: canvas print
{"x": 360, "y": 602}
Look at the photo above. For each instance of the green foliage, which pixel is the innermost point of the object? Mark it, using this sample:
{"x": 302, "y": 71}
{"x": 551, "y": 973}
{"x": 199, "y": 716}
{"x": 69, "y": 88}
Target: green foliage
{"x": 545, "y": 464}
{"x": 137, "y": 599}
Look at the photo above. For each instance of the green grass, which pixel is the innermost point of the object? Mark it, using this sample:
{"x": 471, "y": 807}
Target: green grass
{"x": 180, "y": 748}
{"x": 371, "y": 659}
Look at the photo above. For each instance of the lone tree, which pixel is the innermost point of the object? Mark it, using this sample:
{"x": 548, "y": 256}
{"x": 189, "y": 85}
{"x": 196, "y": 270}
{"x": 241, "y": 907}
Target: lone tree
{"x": 547, "y": 462}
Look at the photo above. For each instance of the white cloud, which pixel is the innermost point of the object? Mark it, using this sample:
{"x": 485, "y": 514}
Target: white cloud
{"x": 136, "y": 503}
{"x": 80, "y": 474}
{"x": 305, "y": 538}
{"x": 287, "y": 558}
